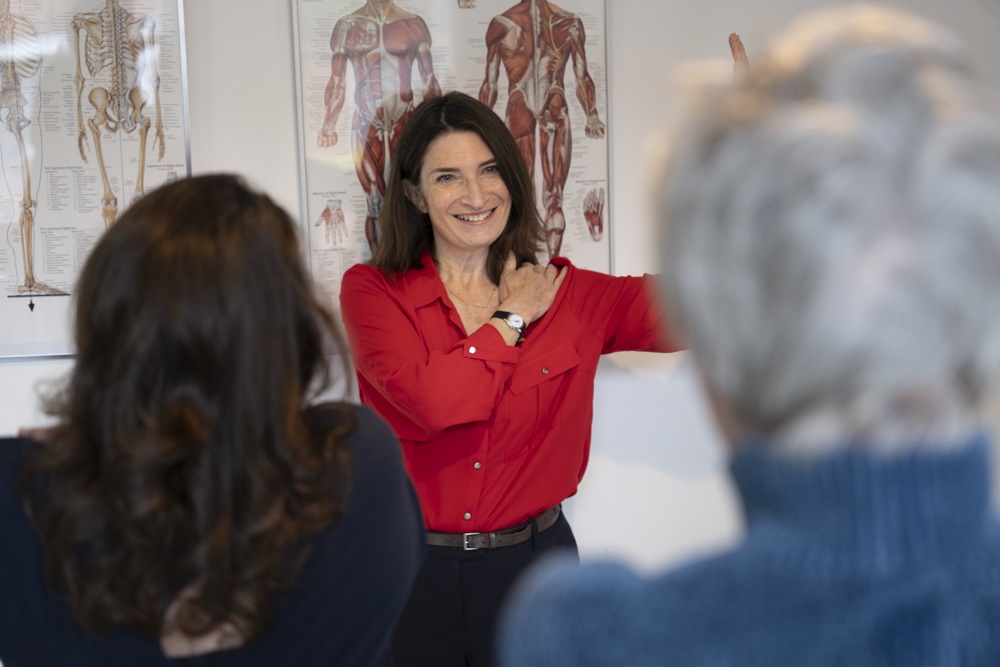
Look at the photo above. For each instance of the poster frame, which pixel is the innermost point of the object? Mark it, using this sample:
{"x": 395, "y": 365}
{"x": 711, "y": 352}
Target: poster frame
{"x": 60, "y": 153}
{"x": 312, "y": 44}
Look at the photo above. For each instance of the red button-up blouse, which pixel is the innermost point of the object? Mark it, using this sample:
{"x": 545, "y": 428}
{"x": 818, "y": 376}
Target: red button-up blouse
{"x": 492, "y": 435}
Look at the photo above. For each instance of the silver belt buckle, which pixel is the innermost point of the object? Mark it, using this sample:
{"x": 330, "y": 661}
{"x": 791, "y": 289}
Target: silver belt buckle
{"x": 465, "y": 542}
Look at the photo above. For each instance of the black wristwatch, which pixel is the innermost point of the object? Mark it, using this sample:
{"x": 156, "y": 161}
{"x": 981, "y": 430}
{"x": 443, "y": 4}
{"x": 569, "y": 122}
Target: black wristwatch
{"x": 513, "y": 320}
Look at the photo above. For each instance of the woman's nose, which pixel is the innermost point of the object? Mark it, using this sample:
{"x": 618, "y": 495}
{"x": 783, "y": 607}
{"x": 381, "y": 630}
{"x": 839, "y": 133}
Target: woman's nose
{"x": 473, "y": 195}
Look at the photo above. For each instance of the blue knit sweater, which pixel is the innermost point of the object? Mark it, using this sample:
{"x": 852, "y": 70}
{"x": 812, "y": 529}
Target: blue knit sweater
{"x": 848, "y": 561}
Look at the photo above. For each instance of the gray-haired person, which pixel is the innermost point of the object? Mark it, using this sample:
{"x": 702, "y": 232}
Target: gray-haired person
{"x": 831, "y": 256}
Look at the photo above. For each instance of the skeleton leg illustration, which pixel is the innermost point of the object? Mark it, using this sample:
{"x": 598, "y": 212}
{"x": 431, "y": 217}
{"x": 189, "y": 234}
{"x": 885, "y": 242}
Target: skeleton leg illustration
{"x": 137, "y": 99}
{"x": 26, "y": 218}
{"x": 109, "y": 202}
{"x": 20, "y": 60}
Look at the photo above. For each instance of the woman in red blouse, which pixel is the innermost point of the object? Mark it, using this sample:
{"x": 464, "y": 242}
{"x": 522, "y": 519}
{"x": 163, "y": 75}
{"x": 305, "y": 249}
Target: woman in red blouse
{"x": 483, "y": 362}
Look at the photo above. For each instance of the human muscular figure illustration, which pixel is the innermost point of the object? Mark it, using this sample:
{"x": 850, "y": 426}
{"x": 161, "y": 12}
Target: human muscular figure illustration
{"x": 334, "y": 224}
{"x": 535, "y": 40}
{"x": 382, "y": 43}
{"x": 20, "y": 61}
{"x": 119, "y": 47}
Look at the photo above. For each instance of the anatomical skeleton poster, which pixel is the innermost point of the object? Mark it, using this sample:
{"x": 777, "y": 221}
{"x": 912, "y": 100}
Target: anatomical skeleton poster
{"x": 92, "y": 115}
{"x": 363, "y": 65}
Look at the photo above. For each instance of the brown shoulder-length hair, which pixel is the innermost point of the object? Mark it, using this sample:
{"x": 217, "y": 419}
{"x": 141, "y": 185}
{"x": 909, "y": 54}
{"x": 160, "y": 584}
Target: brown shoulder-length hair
{"x": 181, "y": 460}
{"x": 404, "y": 231}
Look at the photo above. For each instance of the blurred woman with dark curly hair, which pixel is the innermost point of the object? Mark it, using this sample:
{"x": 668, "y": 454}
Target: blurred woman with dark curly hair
{"x": 187, "y": 501}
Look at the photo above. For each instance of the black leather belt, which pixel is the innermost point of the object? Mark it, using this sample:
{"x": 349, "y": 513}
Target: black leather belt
{"x": 499, "y": 538}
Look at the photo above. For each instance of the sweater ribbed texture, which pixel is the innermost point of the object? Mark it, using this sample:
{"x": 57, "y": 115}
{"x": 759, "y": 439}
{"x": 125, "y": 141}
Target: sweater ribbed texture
{"x": 849, "y": 560}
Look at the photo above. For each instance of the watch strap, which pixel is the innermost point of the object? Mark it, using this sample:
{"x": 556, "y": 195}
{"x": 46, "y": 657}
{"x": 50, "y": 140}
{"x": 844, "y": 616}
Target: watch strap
{"x": 506, "y": 317}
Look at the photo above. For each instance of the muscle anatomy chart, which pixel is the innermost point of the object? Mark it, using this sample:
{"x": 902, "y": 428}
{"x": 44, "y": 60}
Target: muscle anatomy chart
{"x": 535, "y": 40}
{"x": 361, "y": 68}
{"x": 91, "y": 115}
{"x": 383, "y": 44}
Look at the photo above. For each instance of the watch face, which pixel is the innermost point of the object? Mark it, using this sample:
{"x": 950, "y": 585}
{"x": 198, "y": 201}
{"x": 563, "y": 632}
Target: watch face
{"x": 515, "y": 321}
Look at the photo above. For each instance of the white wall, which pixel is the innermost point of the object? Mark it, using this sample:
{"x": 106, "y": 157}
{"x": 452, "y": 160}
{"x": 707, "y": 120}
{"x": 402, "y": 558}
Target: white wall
{"x": 656, "y": 491}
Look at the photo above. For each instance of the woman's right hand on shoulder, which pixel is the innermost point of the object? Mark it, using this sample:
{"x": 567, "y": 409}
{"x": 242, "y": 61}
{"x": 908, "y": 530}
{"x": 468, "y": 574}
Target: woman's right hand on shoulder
{"x": 530, "y": 289}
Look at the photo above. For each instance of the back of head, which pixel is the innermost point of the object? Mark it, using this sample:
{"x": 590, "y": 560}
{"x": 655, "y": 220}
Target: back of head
{"x": 199, "y": 287}
{"x": 831, "y": 250}
{"x": 404, "y": 231}
{"x": 181, "y": 455}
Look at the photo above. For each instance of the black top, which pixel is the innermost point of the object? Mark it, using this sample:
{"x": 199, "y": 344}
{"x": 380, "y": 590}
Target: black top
{"x": 351, "y": 590}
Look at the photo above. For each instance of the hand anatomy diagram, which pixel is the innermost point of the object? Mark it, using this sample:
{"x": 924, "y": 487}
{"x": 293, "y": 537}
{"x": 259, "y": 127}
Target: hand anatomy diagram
{"x": 334, "y": 224}
{"x": 534, "y": 40}
{"x": 382, "y": 43}
{"x": 119, "y": 51}
{"x": 593, "y": 213}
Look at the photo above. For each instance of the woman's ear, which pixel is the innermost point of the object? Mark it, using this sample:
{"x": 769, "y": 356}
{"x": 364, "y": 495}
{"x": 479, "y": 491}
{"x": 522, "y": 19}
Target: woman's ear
{"x": 412, "y": 193}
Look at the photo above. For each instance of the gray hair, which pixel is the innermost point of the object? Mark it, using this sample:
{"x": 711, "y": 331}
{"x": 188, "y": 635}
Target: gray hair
{"x": 831, "y": 249}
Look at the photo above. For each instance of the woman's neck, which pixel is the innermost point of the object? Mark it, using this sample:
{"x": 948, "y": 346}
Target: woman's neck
{"x": 467, "y": 273}
{"x": 175, "y": 643}
{"x": 470, "y": 289}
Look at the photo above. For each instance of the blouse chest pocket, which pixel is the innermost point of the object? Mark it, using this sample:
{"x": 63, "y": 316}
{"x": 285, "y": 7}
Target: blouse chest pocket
{"x": 539, "y": 389}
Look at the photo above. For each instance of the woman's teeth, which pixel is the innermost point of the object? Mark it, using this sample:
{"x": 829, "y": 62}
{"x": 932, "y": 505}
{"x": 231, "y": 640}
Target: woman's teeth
{"x": 474, "y": 218}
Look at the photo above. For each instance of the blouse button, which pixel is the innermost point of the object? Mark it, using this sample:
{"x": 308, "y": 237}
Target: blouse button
{"x": 545, "y": 371}
{"x": 477, "y": 465}
{"x": 472, "y": 350}
{"x": 466, "y": 516}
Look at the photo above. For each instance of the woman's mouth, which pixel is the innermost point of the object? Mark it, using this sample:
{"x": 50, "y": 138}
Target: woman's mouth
{"x": 475, "y": 217}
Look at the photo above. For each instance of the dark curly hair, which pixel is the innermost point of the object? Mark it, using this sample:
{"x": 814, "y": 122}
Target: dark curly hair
{"x": 181, "y": 460}
{"x": 404, "y": 231}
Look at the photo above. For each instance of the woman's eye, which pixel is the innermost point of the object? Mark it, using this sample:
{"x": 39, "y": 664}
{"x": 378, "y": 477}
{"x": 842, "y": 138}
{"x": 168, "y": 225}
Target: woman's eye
{"x": 445, "y": 178}
{"x": 492, "y": 169}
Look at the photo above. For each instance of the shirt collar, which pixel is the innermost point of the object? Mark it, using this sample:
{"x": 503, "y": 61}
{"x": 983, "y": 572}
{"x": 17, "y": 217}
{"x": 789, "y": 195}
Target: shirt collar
{"x": 424, "y": 284}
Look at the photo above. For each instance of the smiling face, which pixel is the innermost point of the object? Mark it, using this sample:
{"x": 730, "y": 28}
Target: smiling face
{"x": 462, "y": 192}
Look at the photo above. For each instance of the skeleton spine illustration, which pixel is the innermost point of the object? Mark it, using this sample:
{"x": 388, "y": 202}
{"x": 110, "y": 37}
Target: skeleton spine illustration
{"x": 121, "y": 46}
